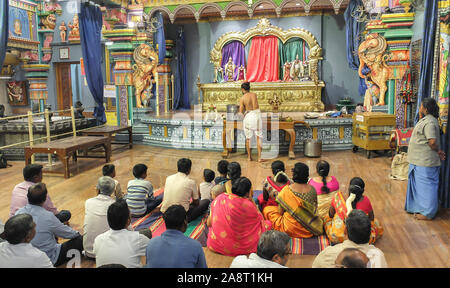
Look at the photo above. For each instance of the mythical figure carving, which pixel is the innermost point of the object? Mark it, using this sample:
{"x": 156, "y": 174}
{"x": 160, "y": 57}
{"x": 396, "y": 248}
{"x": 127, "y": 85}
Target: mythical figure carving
{"x": 15, "y": 92}
{"x": 146, "y": 63}
{"x": 371, "y": 52}
{"x": 62, "y": 31}
{"x": 49, "y": 22}
{"x": 296, "y": 69}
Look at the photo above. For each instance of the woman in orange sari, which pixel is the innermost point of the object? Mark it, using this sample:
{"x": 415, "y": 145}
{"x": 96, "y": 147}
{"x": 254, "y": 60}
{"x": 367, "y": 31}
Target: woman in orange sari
{"x": 342, "y": 204}
{"x": 235, "y": 222}
{"x": 296, "y": 213}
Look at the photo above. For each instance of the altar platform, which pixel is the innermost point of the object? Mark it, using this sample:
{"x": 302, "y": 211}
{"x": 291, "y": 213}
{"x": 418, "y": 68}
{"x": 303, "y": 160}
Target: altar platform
{"x": 186, "y": 129}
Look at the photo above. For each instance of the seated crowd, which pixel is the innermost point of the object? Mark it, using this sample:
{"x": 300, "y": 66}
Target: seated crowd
{"x": 255, "y": 229}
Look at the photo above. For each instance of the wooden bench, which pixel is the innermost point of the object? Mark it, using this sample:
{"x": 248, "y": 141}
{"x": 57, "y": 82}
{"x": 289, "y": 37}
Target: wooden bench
{"x": 66, "y": 147}
{"x": 287, "y": 126}
{"x": 109, "y": 131}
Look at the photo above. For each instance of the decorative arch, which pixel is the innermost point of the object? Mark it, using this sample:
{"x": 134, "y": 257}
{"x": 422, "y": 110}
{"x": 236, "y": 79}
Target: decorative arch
{"x": 238, "y": 3}
{"x": 159, "y": 8}
{"x": 188, "y": 7}
{"x": 211, "y": 5}
{"x": 285, "y": 2}
{"x": 264, "y": 28}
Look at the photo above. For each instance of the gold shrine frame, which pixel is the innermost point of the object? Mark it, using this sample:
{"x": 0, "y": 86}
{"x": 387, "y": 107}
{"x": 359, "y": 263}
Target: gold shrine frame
{"x": 265, "y": 28}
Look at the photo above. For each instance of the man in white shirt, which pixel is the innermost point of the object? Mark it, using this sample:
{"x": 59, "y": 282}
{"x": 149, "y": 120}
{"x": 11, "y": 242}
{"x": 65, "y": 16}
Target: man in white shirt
{"x": 95, "y": 222}
{"x": 119, "y": 245}
{"x": 357, "y": 227}
{"x": 179, "y": 189}
{"x": 272, "y": 252}
{"x": 18, "y": 252}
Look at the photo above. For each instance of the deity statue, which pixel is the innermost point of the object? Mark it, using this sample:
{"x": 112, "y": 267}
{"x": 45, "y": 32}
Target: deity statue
{"x": 74, "y": 28}
{"x": 287, "y": 71}
{"x": 229, "y": 69}
{"x": 144, "y": 70}
{"x": 242, "y": 74}
{"x": 296, "y": 68}
{"x": 218, "y": 78}
{"x": 372, "y": 53}
{"x": 62, "y": 31}
{"x": 372, "y": 95}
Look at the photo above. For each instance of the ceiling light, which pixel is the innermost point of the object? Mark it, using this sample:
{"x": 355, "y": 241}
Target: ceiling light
{"x": 109, "y": 43}
{"x": 131, "y": 24}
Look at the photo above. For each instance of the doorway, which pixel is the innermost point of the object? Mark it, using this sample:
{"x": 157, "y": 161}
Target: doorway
{"x": 68, "y": 85}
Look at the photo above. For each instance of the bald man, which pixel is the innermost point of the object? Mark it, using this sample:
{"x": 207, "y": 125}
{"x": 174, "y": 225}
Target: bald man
{"x": 351, "y": 258}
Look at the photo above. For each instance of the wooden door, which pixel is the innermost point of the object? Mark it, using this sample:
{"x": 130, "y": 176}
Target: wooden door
{"x": 63, "y": 87}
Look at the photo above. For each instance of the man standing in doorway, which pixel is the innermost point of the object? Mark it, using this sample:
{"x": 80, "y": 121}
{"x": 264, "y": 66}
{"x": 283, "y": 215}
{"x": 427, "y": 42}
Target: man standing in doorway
{"x": 252, "y": 123}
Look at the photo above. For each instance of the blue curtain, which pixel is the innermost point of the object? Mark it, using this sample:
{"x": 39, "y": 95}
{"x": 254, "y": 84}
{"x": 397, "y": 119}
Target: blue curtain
{"x": 426, "y": 63}
{"x": 352, "y": 30}
{"x": 181, "y": 97}
{"x": 160, "y": 38}
{"x": 90, "y": 35}
{"x": 4, "y": 8}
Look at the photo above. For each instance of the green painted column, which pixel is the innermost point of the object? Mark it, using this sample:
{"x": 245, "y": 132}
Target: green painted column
{"x": 390, "y": 101}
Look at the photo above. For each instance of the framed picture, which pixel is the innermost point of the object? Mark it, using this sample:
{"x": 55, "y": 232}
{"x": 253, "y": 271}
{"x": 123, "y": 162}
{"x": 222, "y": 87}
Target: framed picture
{"x": 64, "y": 53}
{"x": 17, "y": 93}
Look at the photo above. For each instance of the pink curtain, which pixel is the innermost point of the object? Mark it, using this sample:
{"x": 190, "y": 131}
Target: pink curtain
{"x": 263, "y": 59}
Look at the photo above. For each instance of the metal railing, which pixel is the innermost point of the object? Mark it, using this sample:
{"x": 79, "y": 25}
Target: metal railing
{"x": 31, "y": 140}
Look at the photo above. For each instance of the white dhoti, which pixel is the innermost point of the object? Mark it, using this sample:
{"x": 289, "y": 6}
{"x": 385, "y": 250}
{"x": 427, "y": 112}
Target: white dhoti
{"x": 253, "y": 124}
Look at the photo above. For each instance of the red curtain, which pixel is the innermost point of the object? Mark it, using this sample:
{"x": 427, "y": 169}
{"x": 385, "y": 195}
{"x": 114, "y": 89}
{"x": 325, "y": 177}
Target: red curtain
{"x": 262, "y": 65}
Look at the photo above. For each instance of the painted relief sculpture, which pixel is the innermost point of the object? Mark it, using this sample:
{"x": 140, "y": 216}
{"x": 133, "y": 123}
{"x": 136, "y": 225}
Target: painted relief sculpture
{"x": 146, "y": 60}
{"x": 16, "y": 93}
{"x": 62, "y": 31}
{"x": 372, "y": 53}
{"x": 74, "y": 33}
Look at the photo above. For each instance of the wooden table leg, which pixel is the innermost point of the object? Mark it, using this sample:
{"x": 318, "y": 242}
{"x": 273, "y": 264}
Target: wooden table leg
{"x": 107, "y": 146}
{"x": 291, "y": 133}
{"x": 130, "y": 137}
{"x": 65, "y": 161}
{"x": 28, "y": 153}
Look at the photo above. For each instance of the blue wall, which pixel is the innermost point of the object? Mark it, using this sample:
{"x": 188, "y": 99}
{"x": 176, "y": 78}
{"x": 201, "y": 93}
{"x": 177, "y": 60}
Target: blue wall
{"x": 68, "y": 12}
{"x": 340, "y": 81}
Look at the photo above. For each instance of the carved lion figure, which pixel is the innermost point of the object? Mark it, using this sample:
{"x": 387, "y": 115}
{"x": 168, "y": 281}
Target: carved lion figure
{"x": 146, "y": 60}
{"x": 372, "y": 52}
{"x": 49, "y": 22}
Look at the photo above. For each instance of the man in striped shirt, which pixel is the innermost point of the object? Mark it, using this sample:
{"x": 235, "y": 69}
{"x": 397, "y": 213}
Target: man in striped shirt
{"x": 140, "y": 197}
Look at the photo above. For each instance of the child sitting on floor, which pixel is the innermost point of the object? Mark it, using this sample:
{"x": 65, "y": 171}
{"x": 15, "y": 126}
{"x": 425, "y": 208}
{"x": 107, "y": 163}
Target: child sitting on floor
{"x": 205, "y": 187}
{"x": 140, "y": 197}
{"x": 110, "y": 170}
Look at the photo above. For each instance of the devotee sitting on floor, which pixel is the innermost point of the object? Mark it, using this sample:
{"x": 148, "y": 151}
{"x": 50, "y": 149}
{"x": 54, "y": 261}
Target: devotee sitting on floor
{"x": 173, "y": 249}
{"x": 424, "y": 157}
{"x": 351, "y": 258}
{"x": 179, "y": 189}
{"x": 110, "y": 170}
{"x": 32, "y": 174}
{"x": 342, "y": 204}
{"x": 140, "y": 197}
{"x": 296, "y": 213}
{"x": 119, "y": 245}
{"x": 234, "y": 173}
{"x": 18, "y": 252}
{"x": 272, "y": 185}
{"x": 205, "y": 187}
{"x": 235, "y": 222}
{"x": 272, "y": 252}
{"x": 325, "y": 187}
{"x": 48, "y": 227}
{"x": 358, "y": 229}
{"x": 222, "y": 168}
{"x": 95, "y": 219}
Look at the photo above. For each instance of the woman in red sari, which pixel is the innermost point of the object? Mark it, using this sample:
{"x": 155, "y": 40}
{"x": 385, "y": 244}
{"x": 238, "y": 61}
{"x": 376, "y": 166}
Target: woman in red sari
{"x": 235, "y": 221}
{"x": 342, "y": 204}
{"x": 272, "y": 185}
